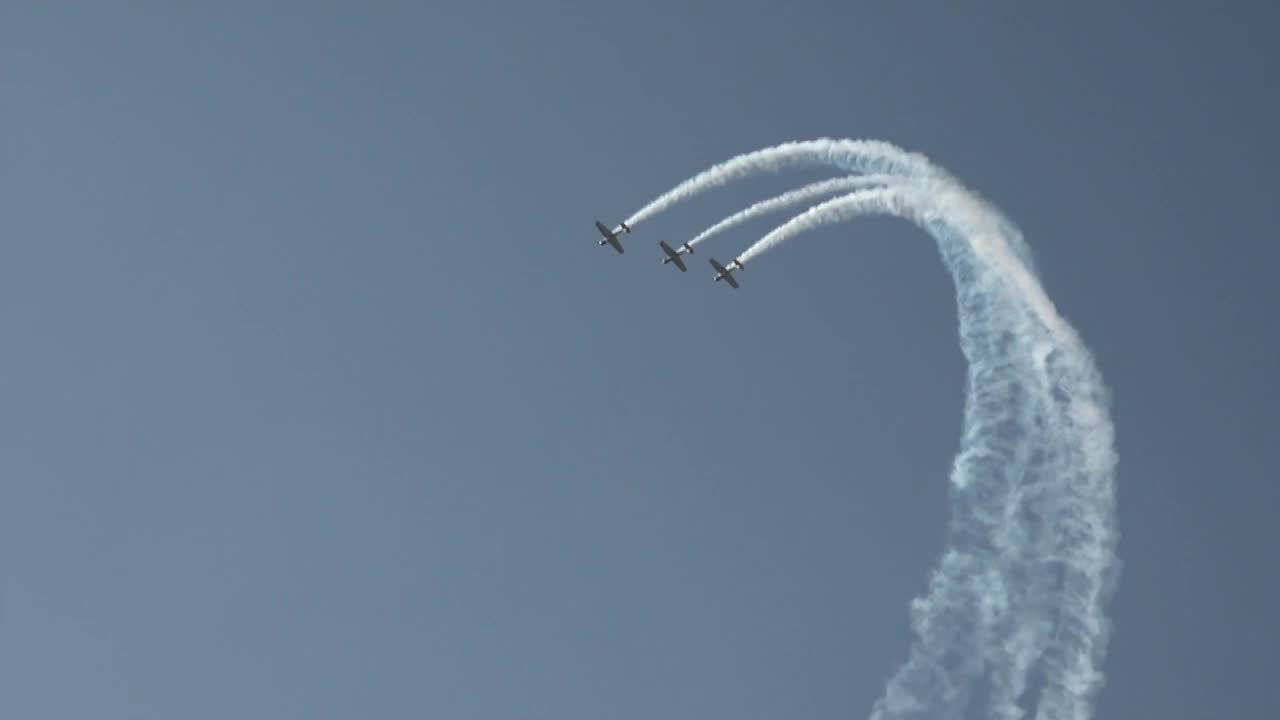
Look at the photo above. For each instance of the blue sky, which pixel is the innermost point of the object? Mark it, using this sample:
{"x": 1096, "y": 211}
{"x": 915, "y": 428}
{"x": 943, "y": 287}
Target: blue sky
{"x": 320, "y": 401}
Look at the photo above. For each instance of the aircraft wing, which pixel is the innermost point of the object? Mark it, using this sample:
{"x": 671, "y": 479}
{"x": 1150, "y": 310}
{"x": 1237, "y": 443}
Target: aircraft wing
{"x": 732, "y": 283}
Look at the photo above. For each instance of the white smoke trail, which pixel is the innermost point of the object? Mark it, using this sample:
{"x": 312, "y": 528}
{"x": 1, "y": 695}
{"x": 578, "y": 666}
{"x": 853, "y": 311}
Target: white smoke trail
{"x": 1027, "y": 591}
{"x": 835, "y": 210}
{"x": 862, "y": 156}
{"x": 1014, "y": 611}
{"x": 808, "y": 193}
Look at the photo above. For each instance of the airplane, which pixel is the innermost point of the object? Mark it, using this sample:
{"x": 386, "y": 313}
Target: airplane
{"x": 673, "y": 256}
{"x": 611, "y": 236}
{"x": 726, "y": 274}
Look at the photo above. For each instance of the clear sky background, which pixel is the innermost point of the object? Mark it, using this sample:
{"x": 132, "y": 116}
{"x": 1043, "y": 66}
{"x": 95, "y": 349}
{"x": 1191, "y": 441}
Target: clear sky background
{"x": 319, "y": 401}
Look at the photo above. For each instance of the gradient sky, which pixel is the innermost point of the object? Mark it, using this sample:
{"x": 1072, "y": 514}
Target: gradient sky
{"x": 319, "y": 400}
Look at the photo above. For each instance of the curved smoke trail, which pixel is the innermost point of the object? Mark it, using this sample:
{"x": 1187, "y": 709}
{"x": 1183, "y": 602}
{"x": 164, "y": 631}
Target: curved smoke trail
{"x": 793, "y": 198}
{"x": 1013, "y": 618}
{"x": 862, "y": 156}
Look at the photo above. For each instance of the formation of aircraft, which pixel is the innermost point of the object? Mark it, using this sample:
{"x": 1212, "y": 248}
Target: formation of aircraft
{"x": 611, "y": 236}
{"x": 673, "y": 255}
